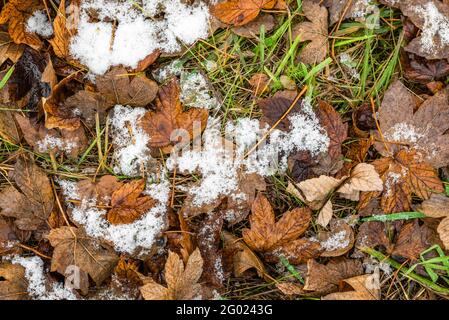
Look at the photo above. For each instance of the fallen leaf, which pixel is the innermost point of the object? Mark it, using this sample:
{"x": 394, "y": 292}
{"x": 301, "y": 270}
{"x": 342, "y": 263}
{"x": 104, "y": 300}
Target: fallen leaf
{"x": 365, "y": 288}
{"x": 15, "y": 13}
{"x": 356, "y": 9}
{"x": 266, "y": 234}
{"x": 373, "y": 234}
{"x": 326, "y": 278}
{"x": 13, "y": 284}
{"x": 412, "y": 240}
{"x": 169, "y": 116}
{"x": 252, "y": 29}
{"x": 338, "y": 241}
{"x": 314, "y": 31}
{"x": 259, "y": 83}
{"x": 182, "y": 282}
{"x": 423, "y": 130}
{"x": 62, "y": 36}
{"x": 274, "y": 108}
{"x": 31, "y": 206}
{"x": 9, "y": 49}
{"x": 72, "y": 247}
{"x": 127, "y": 203}
{"x": 240, "y": 12}
{"x": 101, "y": 190}
{"x": 422, "y": 70}
{"x": 325, "y": 215}
{"x": 243, "y": 258}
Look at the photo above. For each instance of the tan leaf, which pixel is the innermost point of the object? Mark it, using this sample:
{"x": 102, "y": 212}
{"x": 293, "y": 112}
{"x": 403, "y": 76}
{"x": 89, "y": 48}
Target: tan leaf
{"x": 326, "y": 278}
{"x": 181, "y": 282}
{"x": 9, "y": 49}
{"x": 437, "y": 206}
{"x": 443, "y": 232}
{"x": 290, "y": 289}
{"x": 259, "y": 83}
{"x": 169, "y": 116}
{"x": 338, "y": 241}
{"x": 318, "y": 189}
{"x": 31, "y": 206}
{"x": 265, "y": 234}
{"x": 127, "y": 204}
{"x": 314, "y": 31}
{"x": 62, "y": 36}
{"x": 325, "y": 215}
{"x": 101, "y": 190}
{"x": 13, "y": 285}
{"x": 365, "y": 288}
{"x": 296, "y": 252}
{"x": 240, "y": 12}
{"x": 243, "y": 257}
{"x": 364, "y": 177}
{"x": 72, "y": 247}
{"x": 8, "y": 127}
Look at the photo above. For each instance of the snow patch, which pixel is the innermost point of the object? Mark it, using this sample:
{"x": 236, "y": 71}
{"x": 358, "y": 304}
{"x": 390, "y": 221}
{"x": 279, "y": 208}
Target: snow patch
{"x": 38, "y": 23}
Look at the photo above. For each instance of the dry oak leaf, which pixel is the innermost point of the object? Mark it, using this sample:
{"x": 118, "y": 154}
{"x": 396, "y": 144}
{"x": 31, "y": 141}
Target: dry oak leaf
{"x": 182, "y": 282}
{"x": 72, "y": 247}
{"x": 127, "y": 203}
{"x": 240, "y": 12}
{"x": 325, "y": 279}
{"x": 423, "y": 130}
{"x": 15, "y": 13}
{"x": 366, "y": 287}
{"x": 31, "y": 206}
{"x": 13, "y": 284}
{"x": 266, "y": 235}
{"x": 169, "y": 116}
{"x": 437, "y": 206}
{"x": 403, "y": 175}
{"x": 314, "y": 31}
{"x": 243, "y": 258}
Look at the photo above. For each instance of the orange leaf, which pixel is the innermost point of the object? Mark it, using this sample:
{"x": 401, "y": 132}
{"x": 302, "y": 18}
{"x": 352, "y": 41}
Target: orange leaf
{"x": 240, "y": 12}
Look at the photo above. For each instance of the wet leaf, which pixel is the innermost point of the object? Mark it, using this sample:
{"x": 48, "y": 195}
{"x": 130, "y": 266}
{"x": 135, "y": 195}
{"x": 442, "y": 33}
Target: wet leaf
{"x": 127, "y": 203}
{"x": 240, "y": 12}
{"x": 412, "y": 240}
{"x": 72, "y": 247}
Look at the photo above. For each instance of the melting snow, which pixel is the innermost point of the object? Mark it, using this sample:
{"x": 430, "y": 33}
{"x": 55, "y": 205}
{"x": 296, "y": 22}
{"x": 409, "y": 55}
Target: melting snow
{"x": 37, "y": 282}
{"x": 38, "y": 23}
{"x": 404, "y": 132}
{"x": 126, "y": 237}
{"x": 49, "y": 143}
{"x": 126, "y": 33}
{"x": 336, "y": 241}
{"x": 435, "y": 25}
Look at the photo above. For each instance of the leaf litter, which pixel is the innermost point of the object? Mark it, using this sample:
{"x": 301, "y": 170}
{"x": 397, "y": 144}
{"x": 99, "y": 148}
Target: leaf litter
{"x": 130, "y": 164}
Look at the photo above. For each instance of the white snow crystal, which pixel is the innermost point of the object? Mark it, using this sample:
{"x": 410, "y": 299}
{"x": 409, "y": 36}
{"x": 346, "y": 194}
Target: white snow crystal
{"x": 336, "y": 241}
{"x": 38, "y": 23}
{"x": 138, "y": 31}
{"x": 37, "y": 283}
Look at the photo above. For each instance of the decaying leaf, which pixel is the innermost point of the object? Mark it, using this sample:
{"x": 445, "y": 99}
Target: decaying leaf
{"x": 15, "y": 13}
{"x": 412, "y": 240}
{"x": 243, "y": 258}
{"x": 252, "y": 29}
{"x": 62, "y": 35}
{"x": 182, "y": 282}
{"x": 32, "y": 205}
{"x": 240, "y": 12}
{"x": 345, "y": 9}
{"x": 13, "y": 284}
{"x": 127, "y": 203}
{"x": 373, "y": 234}
{"x": 101, "y": 190}
{"x": 266, "y": 234}
{"x": 326, "y": 278}
{"x": 366, "y": 287}
{"x": 9, "y": 49}
{"x": 72, "y": 247}
{"x": 423, "y": 130}
{"x": 314, "y": 31}
{"x": 169, "y": 116}
{"x": 338, "y": 241}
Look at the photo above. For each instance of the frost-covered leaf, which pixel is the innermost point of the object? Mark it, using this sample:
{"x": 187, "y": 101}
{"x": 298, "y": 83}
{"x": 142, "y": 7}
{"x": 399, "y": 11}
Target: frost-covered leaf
{"x": 337, "y": 241}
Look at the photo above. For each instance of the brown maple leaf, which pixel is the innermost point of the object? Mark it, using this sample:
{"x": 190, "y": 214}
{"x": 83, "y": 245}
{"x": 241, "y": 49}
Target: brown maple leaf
{"x": 240, "y": 12}
{"x": 15, "y": 13}
{"x": 13, "y": 285}
{"x": 127, "y": 203}
{"x": 9, "y": 49}
{"x": 423, "y": 130}
{"x": 438, "y": 207}
{"x": 274, "y": 238}
{"x": 182, "y": 282}
{"x": 314, "y": 31}
{"x": 169, "y": 116}
{"x": 101, "y": 190}
{"x": 404, "y": 175}
{"x": 412, "y": 240}
{"x": 32, "y": 205}
{"x": 72, "y": 247}
{"x": 115, "y": 87}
